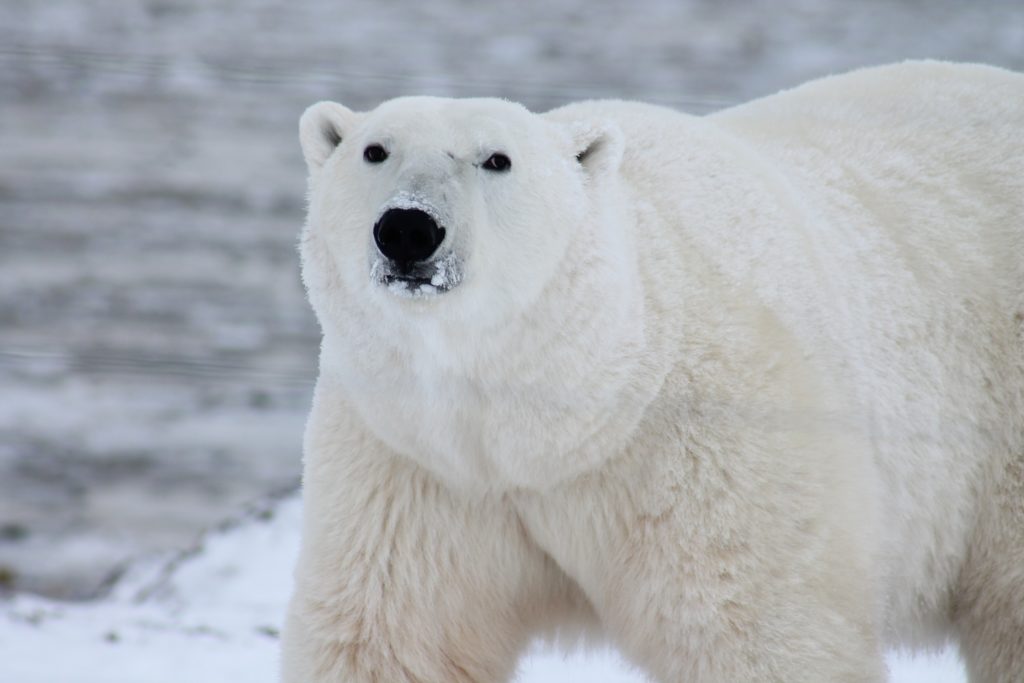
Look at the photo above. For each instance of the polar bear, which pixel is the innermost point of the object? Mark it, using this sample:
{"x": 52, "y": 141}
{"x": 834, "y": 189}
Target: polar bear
{"x": 743, "y": 393}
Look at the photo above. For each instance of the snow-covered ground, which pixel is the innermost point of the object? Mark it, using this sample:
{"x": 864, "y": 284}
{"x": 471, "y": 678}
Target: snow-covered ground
{"x": 214, "y": 614}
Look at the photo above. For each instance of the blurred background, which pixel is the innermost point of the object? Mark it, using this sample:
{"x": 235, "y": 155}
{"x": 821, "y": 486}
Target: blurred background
{"x": 156, "y": 351}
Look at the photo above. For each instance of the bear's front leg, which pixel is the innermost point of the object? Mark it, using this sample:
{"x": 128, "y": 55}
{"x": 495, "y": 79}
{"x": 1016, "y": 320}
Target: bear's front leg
{"x": 721, "y": 565}
{"x": 399, "y": 579}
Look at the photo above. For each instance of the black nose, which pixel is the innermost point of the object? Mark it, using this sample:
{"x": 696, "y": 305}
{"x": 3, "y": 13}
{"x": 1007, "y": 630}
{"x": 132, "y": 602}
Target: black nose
{"x": 407, "y": 235}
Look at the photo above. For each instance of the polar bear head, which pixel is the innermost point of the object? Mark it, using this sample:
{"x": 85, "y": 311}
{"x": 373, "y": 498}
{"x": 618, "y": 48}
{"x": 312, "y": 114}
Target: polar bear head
{"x": 471, "y": 265}
{"x": 467, "y": 209}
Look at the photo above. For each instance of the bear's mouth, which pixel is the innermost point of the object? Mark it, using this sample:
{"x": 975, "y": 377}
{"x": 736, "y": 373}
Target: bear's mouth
{"x": 412, "y": 283}
{"x": 415, "y": 280}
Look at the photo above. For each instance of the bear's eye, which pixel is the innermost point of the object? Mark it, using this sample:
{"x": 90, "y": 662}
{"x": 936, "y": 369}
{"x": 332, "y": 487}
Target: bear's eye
{"x": 498, "y": 162}
{"x": 375, "y": 154}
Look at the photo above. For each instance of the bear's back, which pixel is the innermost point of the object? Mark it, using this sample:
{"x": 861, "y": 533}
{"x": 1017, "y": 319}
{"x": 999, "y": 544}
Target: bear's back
{"x": 931, "y": 153}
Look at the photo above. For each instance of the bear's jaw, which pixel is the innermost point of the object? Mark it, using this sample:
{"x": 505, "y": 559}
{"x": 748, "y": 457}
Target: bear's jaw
{"x": 421, "y": 280}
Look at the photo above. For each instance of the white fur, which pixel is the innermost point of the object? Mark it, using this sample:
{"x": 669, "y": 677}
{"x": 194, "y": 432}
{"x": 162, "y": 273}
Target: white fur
{"x": 743, "y": 393}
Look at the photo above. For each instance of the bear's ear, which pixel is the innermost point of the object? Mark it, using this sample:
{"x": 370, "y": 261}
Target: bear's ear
{"x": 597, "y": 145}
{"x": 322, "y": 128}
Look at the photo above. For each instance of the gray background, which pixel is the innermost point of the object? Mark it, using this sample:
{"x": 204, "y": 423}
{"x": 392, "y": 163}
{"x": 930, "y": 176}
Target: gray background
{"x": 156, "y": 351}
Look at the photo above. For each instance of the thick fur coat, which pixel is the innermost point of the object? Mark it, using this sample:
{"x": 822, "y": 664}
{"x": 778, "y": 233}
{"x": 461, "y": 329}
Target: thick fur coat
{"x": 743, "y": 393}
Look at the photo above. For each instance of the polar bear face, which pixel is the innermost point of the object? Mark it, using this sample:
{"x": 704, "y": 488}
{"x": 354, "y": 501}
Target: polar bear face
{"x": 466, "y": 208}
{"x": 468, "y": 263}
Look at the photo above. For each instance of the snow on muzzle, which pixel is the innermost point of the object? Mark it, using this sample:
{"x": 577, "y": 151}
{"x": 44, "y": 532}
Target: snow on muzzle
{"x": 410, "y": 258}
